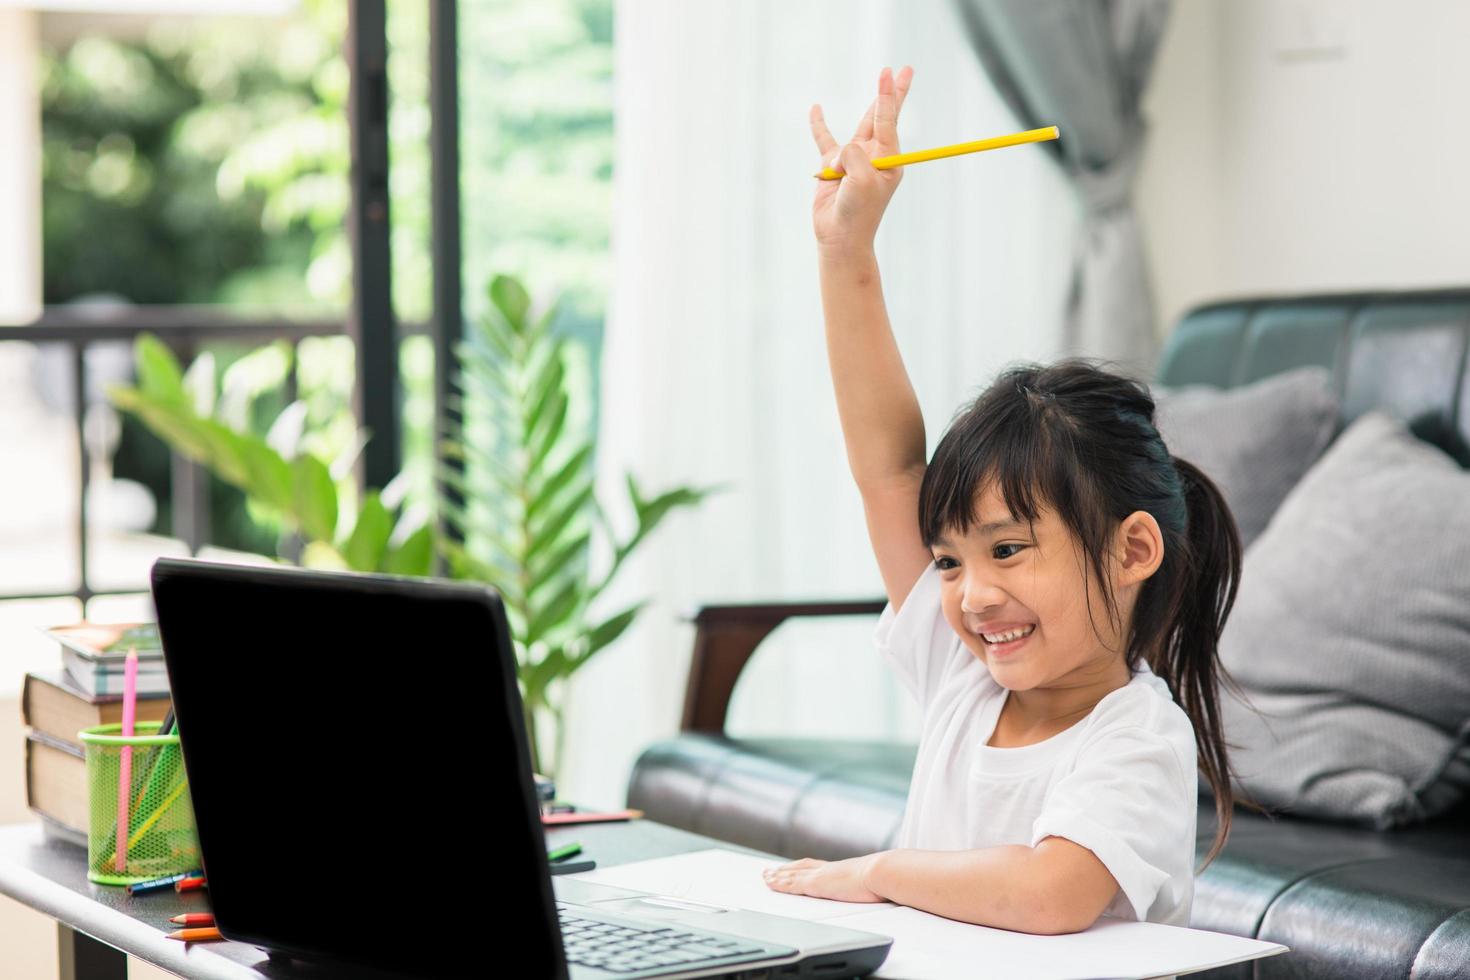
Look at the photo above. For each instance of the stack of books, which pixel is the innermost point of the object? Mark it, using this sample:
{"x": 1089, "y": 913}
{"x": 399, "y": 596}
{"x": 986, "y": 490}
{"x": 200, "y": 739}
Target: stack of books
{"x": 85, "y": 690}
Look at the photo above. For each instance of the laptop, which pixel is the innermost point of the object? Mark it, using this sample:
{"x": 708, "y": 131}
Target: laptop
{"x": 362, "y": 789}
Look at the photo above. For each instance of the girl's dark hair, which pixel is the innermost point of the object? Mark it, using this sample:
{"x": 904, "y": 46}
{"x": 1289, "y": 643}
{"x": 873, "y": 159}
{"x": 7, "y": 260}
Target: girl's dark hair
{"x": 1082, "y": 440}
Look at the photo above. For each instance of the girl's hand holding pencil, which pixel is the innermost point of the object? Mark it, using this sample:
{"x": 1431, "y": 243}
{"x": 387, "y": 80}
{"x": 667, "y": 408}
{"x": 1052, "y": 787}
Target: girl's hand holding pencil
{"x": 846, "y": 212}
{"x": 858, "y": 179}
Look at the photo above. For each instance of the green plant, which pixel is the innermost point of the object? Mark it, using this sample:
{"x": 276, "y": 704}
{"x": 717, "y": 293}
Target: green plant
{"x": 296, "y": 487}
{"x": 526, "y": 506}
{"x": 528, "y": 502}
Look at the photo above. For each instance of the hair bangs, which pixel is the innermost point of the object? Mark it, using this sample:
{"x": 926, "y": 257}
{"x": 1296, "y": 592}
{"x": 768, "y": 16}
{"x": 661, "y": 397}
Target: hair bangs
{"x": 1008, "y": 444}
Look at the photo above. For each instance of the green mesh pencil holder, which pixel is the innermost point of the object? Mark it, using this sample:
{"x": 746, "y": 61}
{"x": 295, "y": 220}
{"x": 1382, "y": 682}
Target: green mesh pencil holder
{"x": 161, "y": 839}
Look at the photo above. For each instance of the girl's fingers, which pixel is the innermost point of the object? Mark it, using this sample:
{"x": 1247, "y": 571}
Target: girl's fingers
{"x": 885, "y": 115}
{"x": 901, "y": 82}
{"x": 901, "y": 85}
{"x": 825, "y": 143}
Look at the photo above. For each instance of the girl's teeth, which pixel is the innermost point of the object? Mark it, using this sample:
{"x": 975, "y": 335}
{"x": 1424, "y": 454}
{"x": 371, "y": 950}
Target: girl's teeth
{"x": 1007, "y": 637}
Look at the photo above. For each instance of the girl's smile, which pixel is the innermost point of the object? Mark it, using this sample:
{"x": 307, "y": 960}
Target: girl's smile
{"x": 1007, "y": 647}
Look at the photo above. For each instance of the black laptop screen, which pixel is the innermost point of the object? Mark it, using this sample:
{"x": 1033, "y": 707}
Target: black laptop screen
{"x": 355, "y": 753}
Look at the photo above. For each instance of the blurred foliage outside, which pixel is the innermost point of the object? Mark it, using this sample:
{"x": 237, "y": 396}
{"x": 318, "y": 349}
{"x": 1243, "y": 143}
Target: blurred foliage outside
{"x": 207, "y": 162}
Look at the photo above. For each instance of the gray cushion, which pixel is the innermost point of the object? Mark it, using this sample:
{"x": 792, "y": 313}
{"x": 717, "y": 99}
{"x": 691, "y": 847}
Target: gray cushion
{"x": 1351, "y": 633}
{"x": 1254, "y": 441}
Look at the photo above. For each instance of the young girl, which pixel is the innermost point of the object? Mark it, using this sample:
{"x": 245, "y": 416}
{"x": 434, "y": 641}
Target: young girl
{"x": 1057, "y": 585}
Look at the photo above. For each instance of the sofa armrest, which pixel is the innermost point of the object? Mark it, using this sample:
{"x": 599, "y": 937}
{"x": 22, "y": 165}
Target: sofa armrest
{"x": 725, "y": 637}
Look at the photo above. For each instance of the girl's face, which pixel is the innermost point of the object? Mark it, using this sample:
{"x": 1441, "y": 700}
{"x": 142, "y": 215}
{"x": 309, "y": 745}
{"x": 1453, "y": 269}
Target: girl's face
{"x": 999, "y": 578}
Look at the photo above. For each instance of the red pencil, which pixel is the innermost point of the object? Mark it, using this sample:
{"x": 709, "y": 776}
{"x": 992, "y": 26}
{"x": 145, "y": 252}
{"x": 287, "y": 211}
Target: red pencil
{"x": 194, "y": 919}
{"x": 190, "y": 884}
{"x": 548, "y": 819}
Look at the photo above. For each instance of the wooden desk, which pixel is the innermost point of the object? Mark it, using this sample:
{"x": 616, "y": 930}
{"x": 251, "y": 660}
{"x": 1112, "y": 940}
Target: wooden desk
{"x": 99, "y": 926}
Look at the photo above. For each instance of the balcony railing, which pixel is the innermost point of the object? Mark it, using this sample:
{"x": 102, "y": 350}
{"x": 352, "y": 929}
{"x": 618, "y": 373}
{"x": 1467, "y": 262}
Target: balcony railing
{"x": 186, "y": 330}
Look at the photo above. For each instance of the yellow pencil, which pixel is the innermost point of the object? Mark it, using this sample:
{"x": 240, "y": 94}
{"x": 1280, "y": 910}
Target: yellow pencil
{"x": 919, "y": 156}
{"x": 168, "y": 801}
{"x": 110, "y": 862}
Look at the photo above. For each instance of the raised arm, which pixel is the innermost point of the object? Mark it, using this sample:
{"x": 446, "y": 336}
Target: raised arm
{"x": 881, "y": 422}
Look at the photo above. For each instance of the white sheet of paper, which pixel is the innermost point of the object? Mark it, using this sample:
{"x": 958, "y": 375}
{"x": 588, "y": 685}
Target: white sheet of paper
{"x": 720, "y": 877}
{"x": 931, "y": 947}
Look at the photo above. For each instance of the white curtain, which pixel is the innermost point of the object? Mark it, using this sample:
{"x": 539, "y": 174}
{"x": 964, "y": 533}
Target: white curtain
{"x": 714, "y": 364}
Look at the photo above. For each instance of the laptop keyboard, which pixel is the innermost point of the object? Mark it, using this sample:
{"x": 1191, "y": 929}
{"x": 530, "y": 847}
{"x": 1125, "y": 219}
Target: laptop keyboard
{"x": 622, "y": 948}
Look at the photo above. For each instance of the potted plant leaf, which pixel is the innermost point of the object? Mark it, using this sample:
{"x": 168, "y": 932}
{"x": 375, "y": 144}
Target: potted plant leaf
{"x": 526, "y": 507}
{"x": 277, "y": 473}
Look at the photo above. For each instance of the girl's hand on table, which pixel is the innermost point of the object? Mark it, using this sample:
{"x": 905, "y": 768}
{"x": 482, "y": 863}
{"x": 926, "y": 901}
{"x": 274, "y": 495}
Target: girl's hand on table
{"x": 841, "y": 881}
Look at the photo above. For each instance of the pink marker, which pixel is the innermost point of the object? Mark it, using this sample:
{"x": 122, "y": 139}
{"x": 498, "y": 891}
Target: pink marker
{"x": 125, "y": 772}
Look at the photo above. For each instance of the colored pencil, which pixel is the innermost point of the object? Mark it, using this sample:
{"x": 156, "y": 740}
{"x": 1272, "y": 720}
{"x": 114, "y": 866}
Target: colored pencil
{"x": 159, "y": 884}
{"x": 177, "y": 792}
{"x": 109, "y": 862}
{"x": 125, "y": 770}
{"x": 549, "y": 819}
{"x": 150, "y": 785}
{"x": 190, "y": 884}
{"x": 194, "y": 919}
{"x": 195, "y": 935}
{"x": 939, "y": 152}
{"x": 562, "y": 853}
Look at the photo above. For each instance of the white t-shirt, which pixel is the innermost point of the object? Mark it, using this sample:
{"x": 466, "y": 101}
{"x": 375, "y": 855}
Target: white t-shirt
{"x": 1121, "y": 782}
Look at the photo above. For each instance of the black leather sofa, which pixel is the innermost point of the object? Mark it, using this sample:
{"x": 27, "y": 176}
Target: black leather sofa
{"x": 1349, "y": 901}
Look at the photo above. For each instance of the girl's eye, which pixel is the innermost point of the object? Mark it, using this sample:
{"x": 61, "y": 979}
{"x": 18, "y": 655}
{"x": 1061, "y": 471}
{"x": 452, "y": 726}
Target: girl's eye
{"x": 940, "y": 562}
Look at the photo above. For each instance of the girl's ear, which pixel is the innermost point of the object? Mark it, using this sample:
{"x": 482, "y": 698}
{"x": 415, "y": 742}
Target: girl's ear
{"x": 1142, "y": 547}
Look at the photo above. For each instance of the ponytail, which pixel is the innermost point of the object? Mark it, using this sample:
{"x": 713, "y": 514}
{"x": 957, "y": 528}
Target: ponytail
{"x": 1188, "y": 658}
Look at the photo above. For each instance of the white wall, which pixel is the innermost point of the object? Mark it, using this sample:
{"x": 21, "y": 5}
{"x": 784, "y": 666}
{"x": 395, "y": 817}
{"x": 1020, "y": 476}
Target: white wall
{"x": 1302, "y": 145}
{"x": 20, "y": 168}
